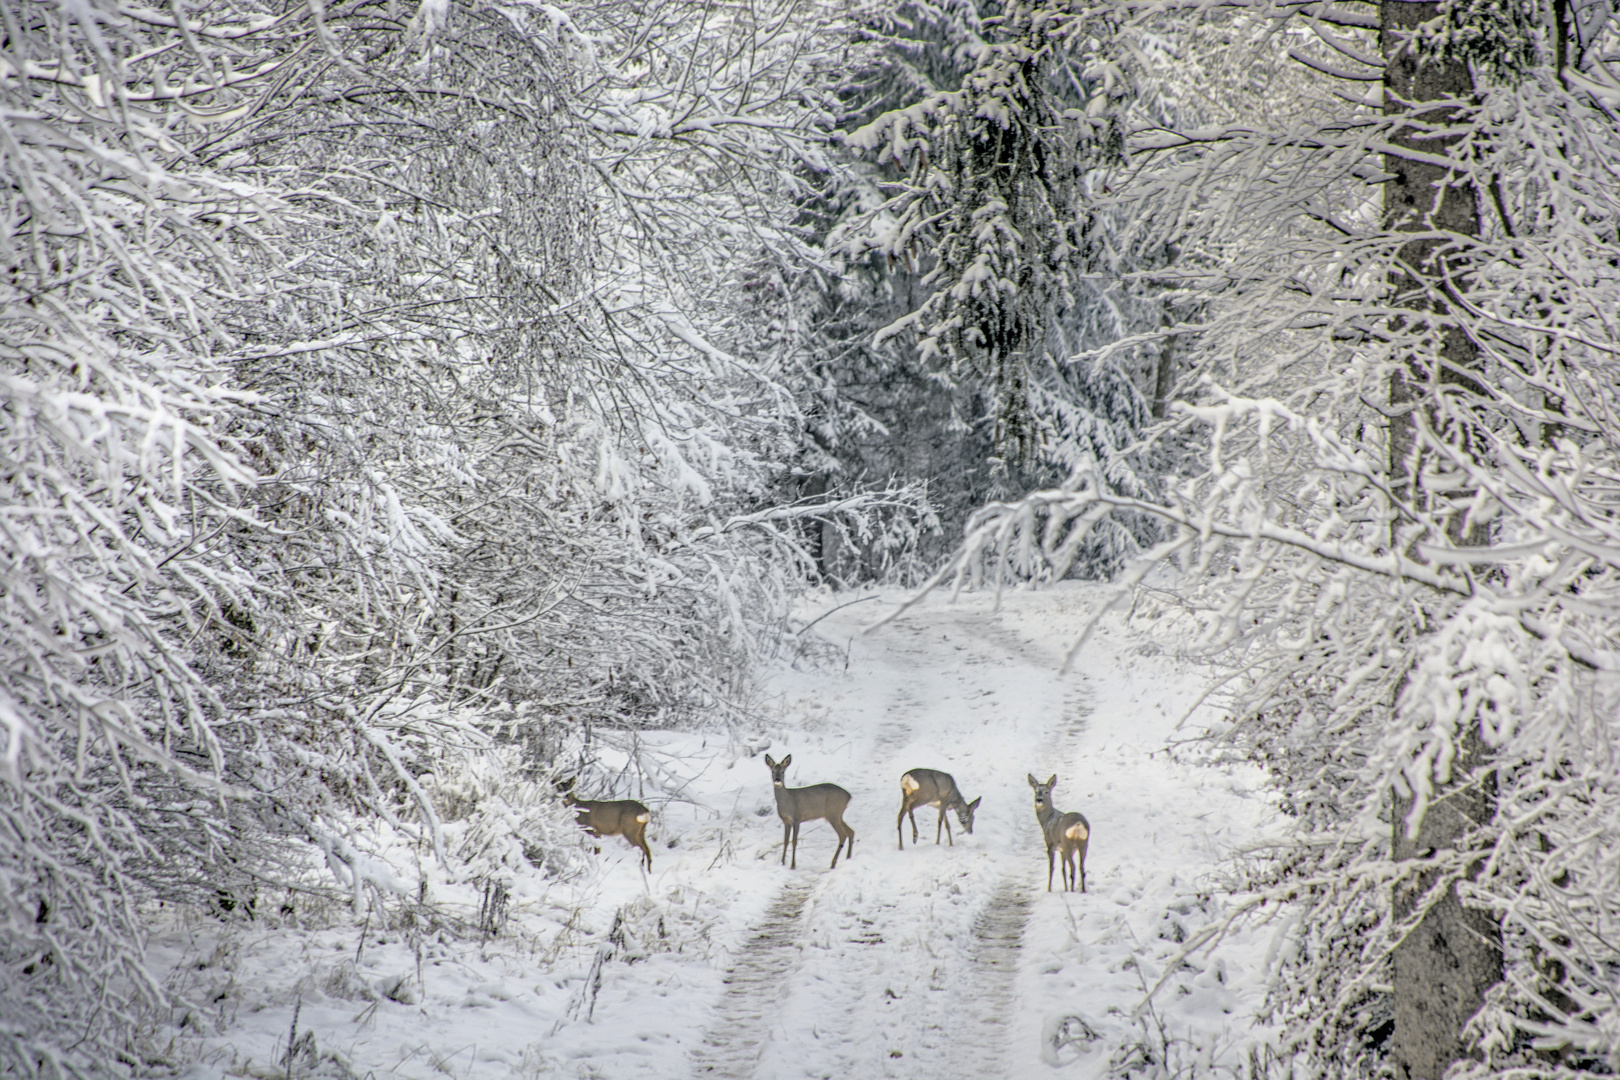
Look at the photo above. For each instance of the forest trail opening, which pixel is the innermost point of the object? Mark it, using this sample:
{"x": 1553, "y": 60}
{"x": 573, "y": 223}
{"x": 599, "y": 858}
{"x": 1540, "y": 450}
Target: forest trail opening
{"x": 947, "y": 961}
{"x": 907, "y": 960}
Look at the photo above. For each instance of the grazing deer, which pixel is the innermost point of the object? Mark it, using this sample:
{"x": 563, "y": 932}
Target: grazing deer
{"x": 795, "y": 805}
{"x": 930, "y": 787}
{"x": 1064, "y": 833}
{"x": 618, "y": 817}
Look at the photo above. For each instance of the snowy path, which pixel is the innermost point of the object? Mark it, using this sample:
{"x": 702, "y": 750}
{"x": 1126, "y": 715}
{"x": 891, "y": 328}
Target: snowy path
{"x": 949, "y": 962}
{"x": 930, "y": 986}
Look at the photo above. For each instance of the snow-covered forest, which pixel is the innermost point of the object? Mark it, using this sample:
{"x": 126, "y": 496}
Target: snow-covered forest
{"x": 420, "y": 416}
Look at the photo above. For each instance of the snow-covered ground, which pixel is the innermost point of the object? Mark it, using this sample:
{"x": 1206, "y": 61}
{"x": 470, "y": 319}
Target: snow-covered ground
{"x": 932, "y": 961}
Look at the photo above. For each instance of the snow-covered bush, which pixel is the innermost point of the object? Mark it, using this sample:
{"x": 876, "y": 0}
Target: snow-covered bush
{"x": 117, "y": 485}
{"x": 538, "y": 433}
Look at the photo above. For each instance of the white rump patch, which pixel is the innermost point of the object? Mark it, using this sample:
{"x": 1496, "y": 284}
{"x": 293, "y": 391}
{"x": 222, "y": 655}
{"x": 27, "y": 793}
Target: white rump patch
{"x": 909, "y": 785}
{"x": 644, "y": 818}
{"x": 1077, "y": 831}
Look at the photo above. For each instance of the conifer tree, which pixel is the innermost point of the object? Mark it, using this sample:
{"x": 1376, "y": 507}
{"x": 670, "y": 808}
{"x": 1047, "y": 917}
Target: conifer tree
{"x": 973, "y": 268}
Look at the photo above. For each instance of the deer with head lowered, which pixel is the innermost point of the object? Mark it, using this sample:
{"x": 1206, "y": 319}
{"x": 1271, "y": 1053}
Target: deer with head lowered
{"x": 930, "y": 787}
{"x": 1066, "y": 834}
{"x": 616, "y": 817}
{"x": 795, "y": 805}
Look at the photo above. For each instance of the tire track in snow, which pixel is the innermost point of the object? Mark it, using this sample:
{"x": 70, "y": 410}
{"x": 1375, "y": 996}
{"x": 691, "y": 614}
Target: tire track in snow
{"x": 978, "y": 1038}
{"x": 755, "y": 986}
{"x": 977, "y": 1046}
{"x": 997, "y": 950}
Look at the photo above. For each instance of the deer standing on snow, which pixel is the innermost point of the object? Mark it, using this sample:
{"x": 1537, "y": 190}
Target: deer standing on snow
{"x": 795, "y": 805}
{"x": 1066, "y": 834}
{"x": 930, "y": 787}
{"x": 616, "y": 817}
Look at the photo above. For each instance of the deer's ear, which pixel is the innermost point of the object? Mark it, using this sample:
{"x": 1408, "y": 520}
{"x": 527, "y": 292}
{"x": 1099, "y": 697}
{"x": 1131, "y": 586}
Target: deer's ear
{"x": 1032, "y": 781}
{"x": 1052, "y": 782}
{"x": 974, "y": 805}
{"x": 787, "y": 761}
{"x": 769, "y": 763}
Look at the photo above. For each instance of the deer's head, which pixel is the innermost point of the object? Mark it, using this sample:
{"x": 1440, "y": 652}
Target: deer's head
{"x": 1043, "y": 792}
{"x": 965, "y": 812}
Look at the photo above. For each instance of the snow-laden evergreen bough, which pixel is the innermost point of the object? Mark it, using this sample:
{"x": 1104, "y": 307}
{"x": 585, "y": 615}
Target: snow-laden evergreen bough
{"x": 967, "y": 268}
{"x": 365, "y": 402}
{"x": 1403, "y": 535}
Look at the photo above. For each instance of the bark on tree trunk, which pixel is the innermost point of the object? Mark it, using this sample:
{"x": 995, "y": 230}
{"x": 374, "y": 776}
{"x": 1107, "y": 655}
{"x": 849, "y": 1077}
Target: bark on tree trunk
{"x": 1443, "y": 969}
{"x": 1164, "y": 377}
{"x": 1424, "y": 197}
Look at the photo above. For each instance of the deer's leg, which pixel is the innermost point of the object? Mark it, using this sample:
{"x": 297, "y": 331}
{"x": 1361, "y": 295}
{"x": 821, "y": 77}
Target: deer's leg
{"x": 1082, "y": 866}
{"x": 787, "y": 831}
{"x": 900, "y": 826}
{"x": 912, "y": 813}
{"x": 945, "y": 820}
{"x": 1048, "y": 867}
{"x": 795, "y": 864}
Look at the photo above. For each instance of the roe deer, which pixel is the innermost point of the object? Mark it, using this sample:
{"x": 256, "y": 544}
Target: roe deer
{"x": 930, "y": 787}
{"x": 618, "y": 817}
{"x": 799, "y": 804}
{"x": 1064, "y": 833}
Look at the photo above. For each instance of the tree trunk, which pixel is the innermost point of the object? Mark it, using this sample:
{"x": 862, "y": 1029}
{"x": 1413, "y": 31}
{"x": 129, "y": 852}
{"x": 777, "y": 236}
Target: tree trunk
{"x": 1443, "y": 969}
{"x": 1164, "y": 376}
{"x": 1445, "y": 966}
